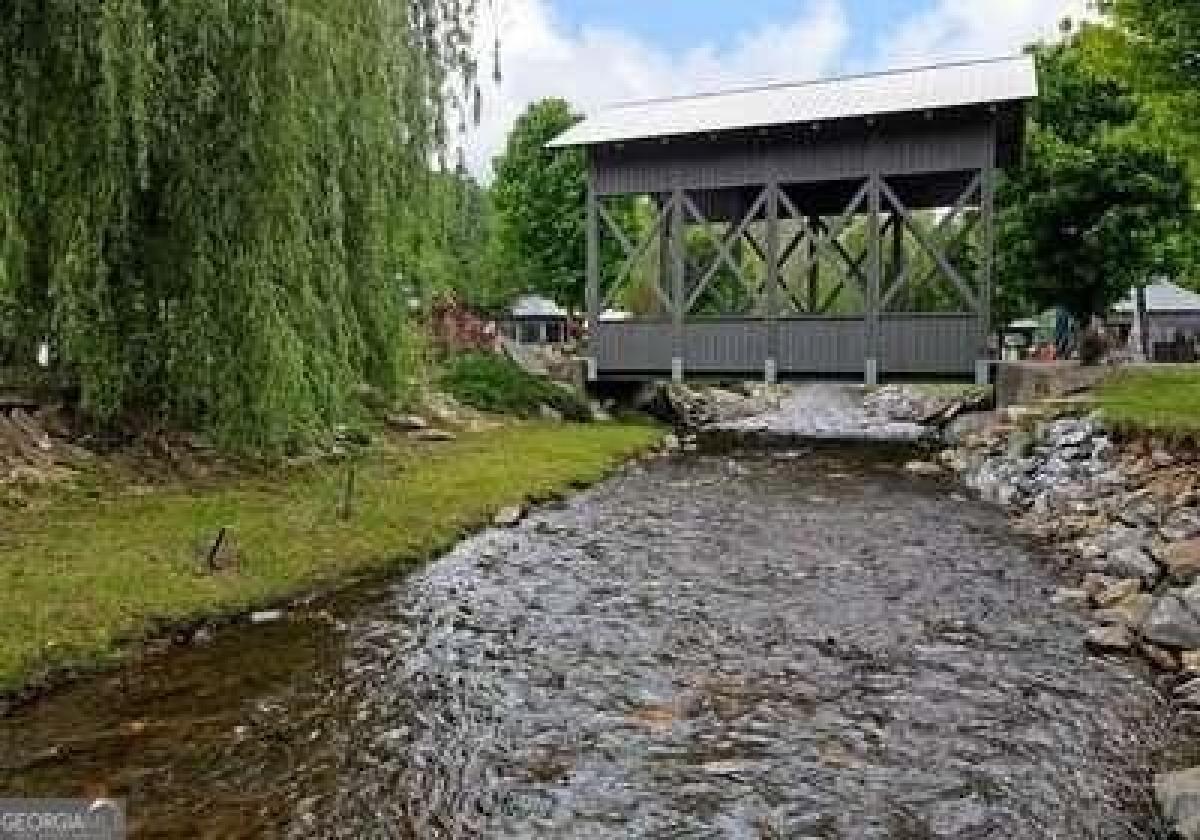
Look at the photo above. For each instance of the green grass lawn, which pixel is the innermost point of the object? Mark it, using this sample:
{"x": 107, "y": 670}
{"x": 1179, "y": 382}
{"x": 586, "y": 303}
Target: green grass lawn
{"x": 81, "y": 578}
{"x": 1162, "y": 401}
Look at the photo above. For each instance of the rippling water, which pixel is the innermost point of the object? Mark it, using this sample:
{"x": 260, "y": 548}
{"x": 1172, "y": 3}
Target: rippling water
{"x": 703, "y": 648}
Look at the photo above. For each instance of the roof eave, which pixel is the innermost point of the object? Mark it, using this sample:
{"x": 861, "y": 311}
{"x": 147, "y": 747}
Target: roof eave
{"x": 567, "y": 140}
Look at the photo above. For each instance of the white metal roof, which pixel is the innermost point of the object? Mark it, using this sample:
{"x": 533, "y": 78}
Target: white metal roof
{"x": 536, "y": 306}
{"x": 1163, "y": 296}
{"x": 897, "y": 91}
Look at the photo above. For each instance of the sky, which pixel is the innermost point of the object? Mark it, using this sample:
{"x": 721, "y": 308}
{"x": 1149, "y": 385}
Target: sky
{"x": 598, "y": 52}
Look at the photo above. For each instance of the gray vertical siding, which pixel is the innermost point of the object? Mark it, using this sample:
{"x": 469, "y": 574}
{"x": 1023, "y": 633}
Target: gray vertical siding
{"x": 822, "y": 345}
{"x": 702, "y": 165}
{"x": 936, "y": 344}
{"x": 911, "y": 345}
{"x": 642, "y": 347}
{"x": 725, "y": 346}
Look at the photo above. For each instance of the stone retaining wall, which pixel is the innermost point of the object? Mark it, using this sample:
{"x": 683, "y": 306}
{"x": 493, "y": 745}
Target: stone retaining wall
{"x": 1125, "y": 517}
{"x": 1019, "y": 383}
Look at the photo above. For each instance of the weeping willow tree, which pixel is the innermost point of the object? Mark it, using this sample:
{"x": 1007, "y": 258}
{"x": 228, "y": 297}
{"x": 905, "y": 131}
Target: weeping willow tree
{"x": 204, "y": 204}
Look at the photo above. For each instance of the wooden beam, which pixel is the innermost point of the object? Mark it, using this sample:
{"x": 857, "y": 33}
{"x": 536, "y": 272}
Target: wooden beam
{"x": 946, "y": 244}
{"x": 723, "y": 247}
{"x": 593, "y": 296}
{"x": 633, "y": 255}
{"x": 831, "y": 298}
{"x": 898, "y": 268}
{"x": 949, "y": 270}
{"x": 678, "y": 284}
{"x": 663, "y": 281}
{"x": 814, "y": 269}
{"x": 831, "y": 240}
{"x": 640, "y": 251}
{"x": 854, "y": 264}
{"x": 987, "y": 203}
{"x": 940, "y": 233}
{"x": 615, "y": 229}
{"x": 756, "y": 246}
{"x": 875, "y": 279}
{"x": 773, "y": 270}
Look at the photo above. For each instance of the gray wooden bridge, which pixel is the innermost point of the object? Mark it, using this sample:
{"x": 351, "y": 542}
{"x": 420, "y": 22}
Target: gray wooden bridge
{"x": 832, "y": 229}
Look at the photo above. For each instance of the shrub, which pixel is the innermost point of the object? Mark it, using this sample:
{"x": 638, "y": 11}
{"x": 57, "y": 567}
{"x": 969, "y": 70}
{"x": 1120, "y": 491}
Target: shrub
{"x": 490, "y": 382}
{"x": 1092, "y": 347}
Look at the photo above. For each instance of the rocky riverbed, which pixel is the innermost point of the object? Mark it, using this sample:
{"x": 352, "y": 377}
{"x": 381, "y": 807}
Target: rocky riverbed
{"x": 1123, "y": 517}
{"x": 793, "y": 646}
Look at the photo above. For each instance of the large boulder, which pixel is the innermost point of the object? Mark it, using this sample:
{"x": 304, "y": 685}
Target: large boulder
{"x": 1109, "y": 637}
{"x": 1174, "y": 621}
{"x": 1182, "y": 561}
{"x": 1182, "y": 526}
{"x": 1129, "y": 562}
{"x": 1131, "y": 611}
{"x": 686, "y": 407}
{"x": 1115, "y": 593}
{"x": 1178, "y": 797}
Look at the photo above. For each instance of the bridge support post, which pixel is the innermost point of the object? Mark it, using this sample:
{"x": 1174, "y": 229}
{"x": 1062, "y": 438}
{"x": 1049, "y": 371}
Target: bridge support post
{"x": 871, "y": 372}
{"x": 592, "y": 293}
{"x": 987, "y": 201}
{"x": 874, "y": 278}
{"x": 679, "y": 293}
{"x": 771, "y": 365}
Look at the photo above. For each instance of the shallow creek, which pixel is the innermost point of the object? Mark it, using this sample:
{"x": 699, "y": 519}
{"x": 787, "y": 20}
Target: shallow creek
{"x": 811, "y": 647}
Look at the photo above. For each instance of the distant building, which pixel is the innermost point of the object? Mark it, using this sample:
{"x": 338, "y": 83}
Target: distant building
{"x": 537, "y": 320}
{"x": 1020, "y": 337}
{"x": 1173, "y": 317}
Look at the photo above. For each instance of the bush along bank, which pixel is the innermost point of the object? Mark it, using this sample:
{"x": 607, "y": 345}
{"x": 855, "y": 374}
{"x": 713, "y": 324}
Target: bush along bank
{"x": 494, "y": 383}
{"x": 1124, "y": 515}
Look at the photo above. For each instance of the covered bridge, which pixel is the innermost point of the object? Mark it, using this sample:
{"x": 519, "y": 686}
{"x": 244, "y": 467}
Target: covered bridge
{"x": 830, "y": 229}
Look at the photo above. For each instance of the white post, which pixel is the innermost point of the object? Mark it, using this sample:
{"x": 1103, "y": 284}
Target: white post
{"x": 983, "y": 372}
{"x": 872, "y": 373}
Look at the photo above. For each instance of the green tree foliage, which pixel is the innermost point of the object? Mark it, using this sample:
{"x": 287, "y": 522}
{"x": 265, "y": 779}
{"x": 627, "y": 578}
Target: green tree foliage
{"x": 204, "y": 205}
{"x": 539, "y": 198}
{"x": 1166, "y": 35}
{"x": 1155, "y": 46}
{"x": 454, "y": 253}
{"x": 1088, "y": 214}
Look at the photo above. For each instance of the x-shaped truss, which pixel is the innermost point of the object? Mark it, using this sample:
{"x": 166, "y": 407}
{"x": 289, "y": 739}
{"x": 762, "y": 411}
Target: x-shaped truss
{"x": 635, "y": 253}
{"x": 817, "y": 238}
{"x": 724, "y": 245}
{"x": 944, "y": 237}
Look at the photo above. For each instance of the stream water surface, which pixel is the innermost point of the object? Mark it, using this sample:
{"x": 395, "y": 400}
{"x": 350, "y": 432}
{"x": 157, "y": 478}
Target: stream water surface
{"x": 810, "y": 647}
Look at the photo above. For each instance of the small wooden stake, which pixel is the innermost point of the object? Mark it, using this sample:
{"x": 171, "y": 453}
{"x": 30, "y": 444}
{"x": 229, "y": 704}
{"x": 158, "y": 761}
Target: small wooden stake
{"x": 347, "y": 507}
{"x": 215, "y": 551}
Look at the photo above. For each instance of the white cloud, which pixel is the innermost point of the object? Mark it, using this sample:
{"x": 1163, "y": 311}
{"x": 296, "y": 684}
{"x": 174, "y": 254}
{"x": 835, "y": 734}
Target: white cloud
{"x": 968, "y": 29}
{"x": 599, "y": 66}
{"x": 602, "y": 66}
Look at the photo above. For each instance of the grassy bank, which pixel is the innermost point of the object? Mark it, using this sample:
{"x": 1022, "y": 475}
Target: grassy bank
{"x": 80, "y": 578}
{"x": 1160, "y": 401}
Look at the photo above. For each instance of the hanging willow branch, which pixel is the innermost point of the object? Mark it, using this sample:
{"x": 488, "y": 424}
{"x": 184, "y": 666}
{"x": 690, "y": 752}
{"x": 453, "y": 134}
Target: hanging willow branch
{"x": 205, "y": 204}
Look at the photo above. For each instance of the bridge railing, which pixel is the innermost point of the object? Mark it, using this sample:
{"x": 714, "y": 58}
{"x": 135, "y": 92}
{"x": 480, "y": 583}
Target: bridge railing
{"x": 910, "y": 345}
